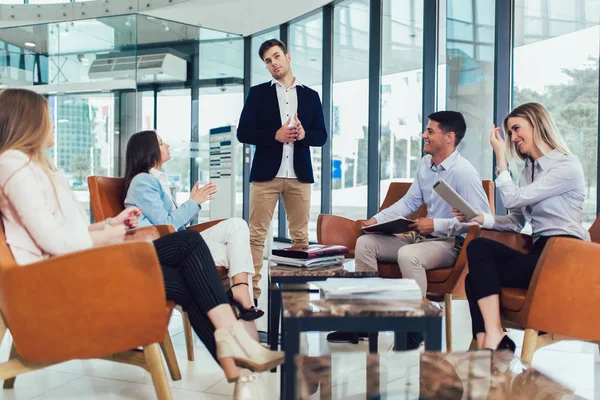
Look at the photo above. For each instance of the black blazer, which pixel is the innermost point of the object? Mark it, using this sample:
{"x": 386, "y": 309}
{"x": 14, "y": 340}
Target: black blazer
{"x": 261, "y": 119}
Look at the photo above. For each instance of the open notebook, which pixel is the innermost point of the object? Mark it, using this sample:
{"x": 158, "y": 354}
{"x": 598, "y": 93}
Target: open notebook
{"x": 398, "y": 225}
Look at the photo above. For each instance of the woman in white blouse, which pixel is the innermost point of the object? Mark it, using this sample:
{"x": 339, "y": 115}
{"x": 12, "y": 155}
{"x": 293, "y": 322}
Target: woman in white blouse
{"x": 549, "y": 196}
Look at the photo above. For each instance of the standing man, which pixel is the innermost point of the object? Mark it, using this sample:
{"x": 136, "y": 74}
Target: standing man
{"x": 282, "y": 118}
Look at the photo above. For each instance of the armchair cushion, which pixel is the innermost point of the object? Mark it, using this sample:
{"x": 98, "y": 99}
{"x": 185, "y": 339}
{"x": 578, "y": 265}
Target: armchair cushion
{"x": 335, "y": 230}
{"x": 106, "y": 196}
{"x": 513, "y": 299}
{"x": 85, "y": 304}
{"x": 564, "y": 289}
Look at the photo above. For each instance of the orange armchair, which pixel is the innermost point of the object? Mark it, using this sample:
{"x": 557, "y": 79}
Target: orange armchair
{"x": 107, "y": 197}
{"x": 116, "y": 288}
{"x": 565, "y": 282}
{"x": 442, "y": 282}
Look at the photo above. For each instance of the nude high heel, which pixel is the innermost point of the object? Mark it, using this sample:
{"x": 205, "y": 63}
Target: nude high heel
{"x": 236, "y": 347}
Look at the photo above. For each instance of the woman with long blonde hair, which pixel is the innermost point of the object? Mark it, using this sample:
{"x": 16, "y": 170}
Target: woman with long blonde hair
{"x": 549, "y": 196}
{"x": 42, "y": 219}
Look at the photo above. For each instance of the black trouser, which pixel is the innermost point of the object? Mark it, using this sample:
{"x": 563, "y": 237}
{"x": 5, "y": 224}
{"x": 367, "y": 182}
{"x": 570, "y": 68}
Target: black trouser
{"x": 191, "y": 280}
{"x": 492, "y": 266}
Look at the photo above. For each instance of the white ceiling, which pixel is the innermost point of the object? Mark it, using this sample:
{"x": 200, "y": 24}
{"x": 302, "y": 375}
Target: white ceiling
{"x": 242, "y": 17}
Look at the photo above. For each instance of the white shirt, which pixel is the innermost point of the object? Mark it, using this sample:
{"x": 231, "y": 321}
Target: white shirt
{"x": 288, "y": 106}
{"x": 164, "y": 182}
{"x": 550, "y": 197}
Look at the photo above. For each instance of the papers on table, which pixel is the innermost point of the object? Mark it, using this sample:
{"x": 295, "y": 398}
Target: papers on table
{"x": 311, "y": 262}
{"x": 370, "y": 288}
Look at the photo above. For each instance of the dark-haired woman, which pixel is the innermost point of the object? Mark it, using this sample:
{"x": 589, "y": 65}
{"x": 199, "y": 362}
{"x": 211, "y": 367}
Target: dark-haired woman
{"x": 147, "y": 188}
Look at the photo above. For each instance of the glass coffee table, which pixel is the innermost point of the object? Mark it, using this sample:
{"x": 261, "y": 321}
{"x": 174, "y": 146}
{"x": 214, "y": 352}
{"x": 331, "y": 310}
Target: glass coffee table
{"x": 306, "y": 312}
{"x": 428, "y": 375}
{"x": 283, "y": 278}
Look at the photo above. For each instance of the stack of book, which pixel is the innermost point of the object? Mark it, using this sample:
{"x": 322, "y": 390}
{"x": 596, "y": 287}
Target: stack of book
{"x": 315, "y": 255}
{"x": 369, "y": 288}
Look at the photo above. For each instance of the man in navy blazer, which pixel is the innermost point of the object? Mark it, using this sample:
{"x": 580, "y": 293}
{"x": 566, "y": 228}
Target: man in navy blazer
{"x": 282, "y": 118}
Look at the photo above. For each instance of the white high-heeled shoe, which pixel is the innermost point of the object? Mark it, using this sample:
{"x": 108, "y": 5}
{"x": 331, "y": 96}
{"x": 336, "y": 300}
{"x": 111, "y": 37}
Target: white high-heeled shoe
{"x": 235, "y": 348}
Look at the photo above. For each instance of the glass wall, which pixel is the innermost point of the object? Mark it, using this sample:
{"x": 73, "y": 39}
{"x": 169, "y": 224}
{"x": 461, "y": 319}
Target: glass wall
{"x": 102, "y": 87}
{"x": 306, "y": 48}
{"x": 466, "y": 74}
{"x": 350, "y": 108}
{"x": 222, "y": 60}
{"x": 401, "y": 91}
{"x": 173, "y": 123}
{"x": 84, "y": 139}
{"x": 564, "y": 38}
{"x": 88, "y": 67}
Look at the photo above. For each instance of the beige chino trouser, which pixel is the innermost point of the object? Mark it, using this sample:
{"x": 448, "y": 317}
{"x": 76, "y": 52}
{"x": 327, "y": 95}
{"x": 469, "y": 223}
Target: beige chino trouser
{"x": 263, "y": 198}
{"x": 414, "y": 254}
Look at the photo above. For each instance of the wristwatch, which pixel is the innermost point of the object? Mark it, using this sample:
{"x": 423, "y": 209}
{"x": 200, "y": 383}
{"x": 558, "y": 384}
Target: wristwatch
{"x": 500, "y": 168}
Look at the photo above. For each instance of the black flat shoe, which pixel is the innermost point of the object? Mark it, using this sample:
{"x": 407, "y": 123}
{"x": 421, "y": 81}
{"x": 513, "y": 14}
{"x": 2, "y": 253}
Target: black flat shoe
{"x": 246, "y": 314}
{"x": 507, "y": 344}
{"x": 414, "y": 340}
{"x": 346, "y": 337}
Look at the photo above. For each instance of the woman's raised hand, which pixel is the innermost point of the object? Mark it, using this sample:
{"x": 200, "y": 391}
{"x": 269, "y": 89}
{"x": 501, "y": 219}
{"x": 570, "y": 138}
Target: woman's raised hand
{"x": 201, "y": 194}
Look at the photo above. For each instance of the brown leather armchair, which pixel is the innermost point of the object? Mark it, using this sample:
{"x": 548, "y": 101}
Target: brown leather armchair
{"x": 564, "y": 284}
{"x": 69, "y": 307}
{"x": 107, "y": 197}
{"x": 441, "y": 283}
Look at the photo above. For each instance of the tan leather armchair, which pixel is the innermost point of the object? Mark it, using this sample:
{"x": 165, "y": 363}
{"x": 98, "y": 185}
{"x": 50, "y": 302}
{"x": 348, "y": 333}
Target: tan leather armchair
{"x": 446, "y": 283}
{"x": 557, "y": 302}
{"x": 107, "y": 197}
{"x": 69, "y": 307}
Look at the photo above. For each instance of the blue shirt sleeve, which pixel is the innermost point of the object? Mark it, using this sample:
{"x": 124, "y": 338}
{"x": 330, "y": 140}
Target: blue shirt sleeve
{"x": 146, "y": 193}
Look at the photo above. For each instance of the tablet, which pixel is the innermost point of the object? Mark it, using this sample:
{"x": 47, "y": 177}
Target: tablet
{"x": 454, "y": 199}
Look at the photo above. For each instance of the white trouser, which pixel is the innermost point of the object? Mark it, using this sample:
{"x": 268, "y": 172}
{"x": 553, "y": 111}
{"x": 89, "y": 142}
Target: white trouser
{"x": 229, "y": 245}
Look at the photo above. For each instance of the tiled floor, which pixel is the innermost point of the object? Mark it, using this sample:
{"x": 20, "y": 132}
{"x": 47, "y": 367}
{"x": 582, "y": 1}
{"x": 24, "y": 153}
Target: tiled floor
{"x": 574, "y": 364}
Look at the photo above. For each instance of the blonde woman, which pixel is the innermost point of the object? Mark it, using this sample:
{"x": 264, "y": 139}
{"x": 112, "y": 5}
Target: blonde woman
{"x": 42, "y": 219}
{"x": 549, "y": 196}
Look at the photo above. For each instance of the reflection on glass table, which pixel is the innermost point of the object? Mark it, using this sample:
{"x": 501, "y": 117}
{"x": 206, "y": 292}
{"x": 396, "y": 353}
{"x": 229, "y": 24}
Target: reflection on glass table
{"x": 428, "y": 375}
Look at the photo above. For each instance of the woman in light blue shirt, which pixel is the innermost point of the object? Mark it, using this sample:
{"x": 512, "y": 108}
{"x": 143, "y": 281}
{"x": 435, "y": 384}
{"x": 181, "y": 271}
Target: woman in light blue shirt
{"x": 549, "y": 196}
{"x": 147, "y": 188}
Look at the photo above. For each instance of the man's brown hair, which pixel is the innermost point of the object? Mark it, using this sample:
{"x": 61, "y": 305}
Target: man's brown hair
{"x": 268, "y": 44}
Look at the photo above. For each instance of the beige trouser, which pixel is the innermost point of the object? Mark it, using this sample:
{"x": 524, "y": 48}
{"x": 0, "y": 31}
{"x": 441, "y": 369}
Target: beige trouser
{"x": 263, "y": 198}
{"x": 413, "y": 253}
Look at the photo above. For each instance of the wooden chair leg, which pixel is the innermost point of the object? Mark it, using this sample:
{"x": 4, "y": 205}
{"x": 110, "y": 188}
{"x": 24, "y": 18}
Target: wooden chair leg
{"x": 473, "y": 345}
{"x": 14, "y": 354}
{"x": 448, "y": 310}
{"x": 529, "y": 345}
{"x": 167, "y": 348}
{"x": 189, "y": 337}
{"x": 3, "y": 328}
{"x": 157, "y": 371}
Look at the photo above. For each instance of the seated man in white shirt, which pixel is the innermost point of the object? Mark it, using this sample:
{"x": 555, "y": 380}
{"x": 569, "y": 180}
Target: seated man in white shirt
{"x": 436, "y": 240}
